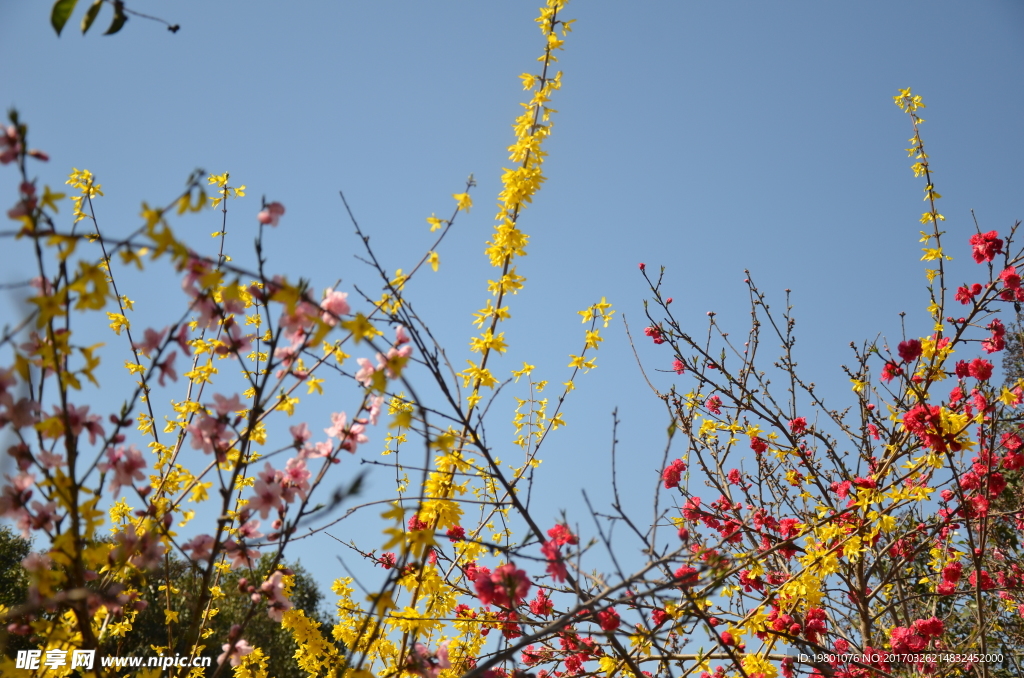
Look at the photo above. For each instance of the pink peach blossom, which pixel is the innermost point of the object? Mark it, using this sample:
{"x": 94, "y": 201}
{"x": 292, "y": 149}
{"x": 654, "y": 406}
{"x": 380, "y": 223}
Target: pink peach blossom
{"x": 270, "y": 215}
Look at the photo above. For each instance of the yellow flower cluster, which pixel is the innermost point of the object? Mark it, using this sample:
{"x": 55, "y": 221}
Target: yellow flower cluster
{"x": 519, "y": 185}
{"x": 910, "y": 103}
{"x": 84, "y": 181}
{"x": 221, "y": 180}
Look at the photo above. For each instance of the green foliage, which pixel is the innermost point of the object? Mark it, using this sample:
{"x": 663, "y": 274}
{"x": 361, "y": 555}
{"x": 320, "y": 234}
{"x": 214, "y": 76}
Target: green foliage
{"x": 60, "y": 13}
{"x": 119, "y": 18}
{"x": 90, "y": 15}
{"x": 149, "y": 629}
{"x": 13, "y": 583}
{"x": 63, "y": 9}
{"x": 13, "y": 579}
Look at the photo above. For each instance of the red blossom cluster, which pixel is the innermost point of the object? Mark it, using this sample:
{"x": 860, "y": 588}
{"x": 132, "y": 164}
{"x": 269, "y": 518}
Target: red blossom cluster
{"x": 655, "y": 333}
{"x": 925, "y": 422}
{"x": 672, "y": 474}
{"x": 608, "y": 619}
{"x": 997, "y": 341}
{"x": 915, "y": 637}
{"x": 541, "y": 605}
{"x": 714, "y": 405}
{"x": 798, "y": 426}
{"x": 1011, "y": 285}
{"x": 979, "y": 368}
{"x": 560, "y": 535}
{"x": 506, "y": 587}
{"x": 966, "y": 295}
{"x": 933, "y": 427}
{"x": 985, "y": 246}
{"x": 909, "y": 350}
{"x": 890, "y": 371}
{"x": 812, "y": 626}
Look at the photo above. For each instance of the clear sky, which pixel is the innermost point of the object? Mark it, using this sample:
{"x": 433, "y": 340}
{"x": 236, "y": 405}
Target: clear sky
{"x": 706, "y": 137}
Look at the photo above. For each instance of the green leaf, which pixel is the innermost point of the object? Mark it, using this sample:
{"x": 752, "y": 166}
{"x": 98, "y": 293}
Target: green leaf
{"x": 90, "y": 15}
{"x": 60, "y": 13}
{"x": 119, "y": 18}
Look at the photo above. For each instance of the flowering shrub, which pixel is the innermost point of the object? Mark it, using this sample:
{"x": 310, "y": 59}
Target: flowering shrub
{"x": 876, "y": 540}
{"x": 801, "y": 539}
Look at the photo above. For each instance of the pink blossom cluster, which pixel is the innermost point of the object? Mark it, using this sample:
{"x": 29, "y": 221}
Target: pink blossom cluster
{"x": 277, "y": 601}
{"x": 14, "y": 504}
{"x": 276, "y": 488}
{"x": 10, "y": 146}
{"x": 236, "y": 647}
{"x": 126, "y": 463}
{"x": 153, "y": 340}
{"x": 391, "y": 363}
{"x": 271, "y": 214}
{"x": 197, "y": 272}
{"x": 334, "y": 305}
{"x": 28, "y": 202}
{"x": 19, "y": 413}
{"x": 212, "y": 434}
{"x": 79, "y": 420}
{"x": 427, "y": 664}
{"x": 349, "y": 435}
{"x": 144, "y": 551}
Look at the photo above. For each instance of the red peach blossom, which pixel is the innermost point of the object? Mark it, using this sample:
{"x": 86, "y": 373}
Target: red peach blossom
{"x": 909, "y": 350}
{"x": 986, "y": 246}
{"x": 672, "y": 474}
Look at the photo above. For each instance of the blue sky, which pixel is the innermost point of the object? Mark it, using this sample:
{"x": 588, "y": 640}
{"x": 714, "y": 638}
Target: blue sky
{"x": 706, "y": 137}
